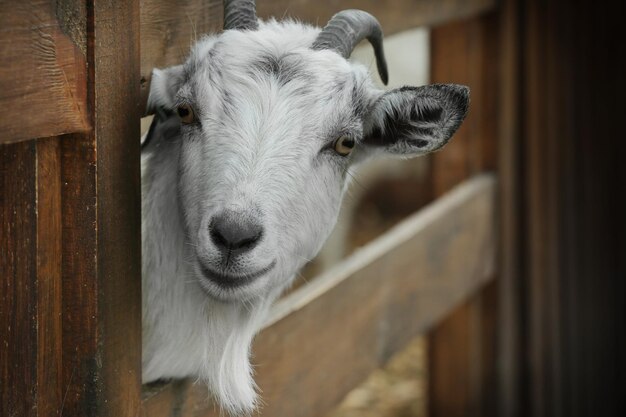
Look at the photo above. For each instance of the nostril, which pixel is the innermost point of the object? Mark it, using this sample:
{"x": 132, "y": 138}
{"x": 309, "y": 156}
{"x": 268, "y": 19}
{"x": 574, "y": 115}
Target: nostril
{"x": 247, "y": 242}
{"x": 217, "y": 236}
{"x": 233, "y": 231}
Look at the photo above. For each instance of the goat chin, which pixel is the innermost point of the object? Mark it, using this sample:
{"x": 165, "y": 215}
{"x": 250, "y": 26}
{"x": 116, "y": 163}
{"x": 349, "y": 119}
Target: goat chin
{"x": 216, "y": 352}
{"x": 185, "y": 332}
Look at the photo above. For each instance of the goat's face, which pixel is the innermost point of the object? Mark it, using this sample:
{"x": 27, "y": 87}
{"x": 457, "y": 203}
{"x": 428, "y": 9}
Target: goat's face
{"x": 270, "y": 130}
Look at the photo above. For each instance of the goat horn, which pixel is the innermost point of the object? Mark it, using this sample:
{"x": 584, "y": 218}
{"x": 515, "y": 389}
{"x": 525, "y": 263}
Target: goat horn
{"x": 240, "y": 15}
{"x": 349, "y": 27}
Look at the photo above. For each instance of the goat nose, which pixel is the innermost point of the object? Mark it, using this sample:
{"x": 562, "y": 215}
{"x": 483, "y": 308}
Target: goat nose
{"x": 234, "y": 232}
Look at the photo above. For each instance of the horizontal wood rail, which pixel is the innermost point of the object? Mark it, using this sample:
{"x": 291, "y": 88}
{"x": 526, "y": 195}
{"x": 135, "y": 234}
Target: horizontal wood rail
{"x": 324, "y": 338}
{"x": 43, "y": 76}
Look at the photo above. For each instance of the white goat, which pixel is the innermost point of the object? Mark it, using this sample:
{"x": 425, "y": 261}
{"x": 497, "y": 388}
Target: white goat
{"x": 244, "y": 184}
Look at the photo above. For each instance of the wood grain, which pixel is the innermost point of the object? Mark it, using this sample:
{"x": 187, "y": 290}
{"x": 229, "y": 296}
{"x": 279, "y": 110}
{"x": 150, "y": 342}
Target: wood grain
{"x": 43, "y": 72}
{"x": 573, "y": 207}
{"x": 117, "y": 113}
{"x": 79, "y": 284}
{"x": 510, "y": 331}
{"x": 354, "y": 317}
{"x": 565, "y": 246}
{"x": 101, "y": 227}
{"x": 49, "y": 277}
{"x": 461, "y": 371}
{"x": 18, "y": 279}
{"x": 168, "y": 28}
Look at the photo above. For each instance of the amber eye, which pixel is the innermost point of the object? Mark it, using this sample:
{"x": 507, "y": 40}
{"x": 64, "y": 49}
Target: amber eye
{"x": 344, "y": 145}
{"x": 185, "y": 112}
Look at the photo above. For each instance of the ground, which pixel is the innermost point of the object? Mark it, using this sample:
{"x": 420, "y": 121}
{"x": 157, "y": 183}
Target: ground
{"x": 398, "y": 390}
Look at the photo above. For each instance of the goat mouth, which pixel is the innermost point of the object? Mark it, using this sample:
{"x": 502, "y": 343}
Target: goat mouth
{"x": 234, "y": 281}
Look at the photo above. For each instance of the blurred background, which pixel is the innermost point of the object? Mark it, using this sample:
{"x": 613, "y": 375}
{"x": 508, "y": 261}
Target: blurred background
{"x": 531, "y": 325}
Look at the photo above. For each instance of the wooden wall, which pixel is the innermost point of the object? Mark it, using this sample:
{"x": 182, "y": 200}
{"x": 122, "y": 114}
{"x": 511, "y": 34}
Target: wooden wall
{"x": 70, "y": 256}
{"x": 562, "y": 344}
{"x": 559, "y": 297}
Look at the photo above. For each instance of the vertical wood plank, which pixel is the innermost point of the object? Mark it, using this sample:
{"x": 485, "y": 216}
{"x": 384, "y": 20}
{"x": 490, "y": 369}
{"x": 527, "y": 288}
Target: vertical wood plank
{"x": 101, "y": 227}
{"x": 563, "y": 229}
{"x": 49, "y": 302}
{"x": 18, "y": 269}
{"x": 512, "y": 402}
{"x": 70, "y": 249}
{"x": 79, "y": 284}
{"x": 461, "y": 371}
{"x": 572, "y": 96}
{"x": 31, "y": 278}
{"x": 116, "y": 105}
{"x": 450, "y": 344}
{"x": 538, "y": 187}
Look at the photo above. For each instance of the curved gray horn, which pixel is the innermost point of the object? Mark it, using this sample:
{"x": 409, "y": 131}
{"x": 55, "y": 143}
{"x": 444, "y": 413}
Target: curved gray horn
{"x": 349, "y": 27}
{"x": 240, "y": 14}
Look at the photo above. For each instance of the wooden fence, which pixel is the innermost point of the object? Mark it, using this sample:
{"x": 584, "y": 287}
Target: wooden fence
{"x": 73, "y": 84}
{"x": 73, "y": 90}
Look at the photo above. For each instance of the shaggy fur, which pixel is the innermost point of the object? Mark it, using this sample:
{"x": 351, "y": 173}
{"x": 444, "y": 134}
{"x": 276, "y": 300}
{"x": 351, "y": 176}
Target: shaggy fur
{"x": 268, "y": 111}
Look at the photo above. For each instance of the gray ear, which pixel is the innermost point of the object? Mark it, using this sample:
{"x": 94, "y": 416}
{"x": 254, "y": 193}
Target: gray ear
{"x": 416, "y": 120}
{"x": 163, "y": 88}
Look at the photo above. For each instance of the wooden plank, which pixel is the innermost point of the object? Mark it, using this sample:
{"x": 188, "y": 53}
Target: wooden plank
{"x": 18, "y": 279}
{"x": 466, "y": 53}
{"x": 43, "y": 72}
{"x": 49, "y": 302}
{"x": 31, "y": 305}
{"x": 101, "y": 227}
{"x": 364, "y": 310}
{"x": 563, "y": 223}
{"x": 70, "y": 313}
{"x": 510, "y": 332}
{"x": 79, "y": 284}
{"x": 169, "y": 28}
{"x": 573, "y": 182}
{"x": 117, "y": 113}
{"x": 461, "y": 376}
{"x": 543, "y": 190}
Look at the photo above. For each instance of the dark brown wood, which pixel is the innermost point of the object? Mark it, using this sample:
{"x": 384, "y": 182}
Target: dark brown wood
{"x": 461, "y": 372}
{"x": 71, "y": 256}
{"x": 510, "y": 337}
{"x": 573, "y": 209}
{"x": 465, "y": 53}
{"x": 18, "y": 279}
{"x": 49, "y": 289}
{"x": 43, "y": 89}
{"x": 354, "y": 317}
{"x": 79, "y": 286}
{"x": 462, "y": 358}
{"x": 30, "y": 311}
{"x": 117, "y": 113}
{"x": 453, "y": 351}
{"x": 563, "y": 226}
{"x": 543, "y": 338}
{"x": 169, "y": 28}
{"x": 101, "y": 228}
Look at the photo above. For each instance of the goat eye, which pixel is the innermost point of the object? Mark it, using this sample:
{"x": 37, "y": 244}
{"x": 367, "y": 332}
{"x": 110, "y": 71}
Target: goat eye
{"x": 185, "y": 112}
{"x": 344, "y": 145}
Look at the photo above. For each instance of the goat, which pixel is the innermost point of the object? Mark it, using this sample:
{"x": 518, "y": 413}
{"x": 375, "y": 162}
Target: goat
{"x": 243, "y": 172}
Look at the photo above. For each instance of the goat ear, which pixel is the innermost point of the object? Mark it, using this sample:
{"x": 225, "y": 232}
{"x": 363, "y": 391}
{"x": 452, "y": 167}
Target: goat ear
{"x": 163, "y": 87}
{"x": 413, "y": 121}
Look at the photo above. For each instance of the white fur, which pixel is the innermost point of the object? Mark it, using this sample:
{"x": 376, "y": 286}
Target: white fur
{"x": 267, "y": 157}
{"x": 262, "y": 147}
